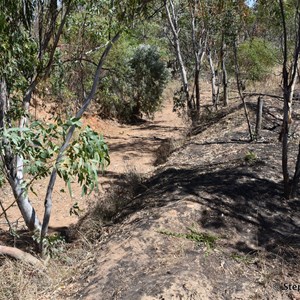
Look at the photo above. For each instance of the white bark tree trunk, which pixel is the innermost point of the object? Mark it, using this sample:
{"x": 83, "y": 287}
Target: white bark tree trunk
{"x": 14, "y": 166}
{"x": 172, "y": 18}
{"x": 213, "y": 79}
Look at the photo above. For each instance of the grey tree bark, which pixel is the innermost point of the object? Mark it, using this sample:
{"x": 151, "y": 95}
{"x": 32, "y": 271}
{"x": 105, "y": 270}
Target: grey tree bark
{"x": 238, "y": 83}
{"x": 13, "y": 166}
{"x": 214, "y": 90}
{"x": 173, "y": 22}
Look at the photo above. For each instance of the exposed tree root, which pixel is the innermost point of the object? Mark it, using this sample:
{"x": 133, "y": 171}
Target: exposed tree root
{"x": 21, "y": 255}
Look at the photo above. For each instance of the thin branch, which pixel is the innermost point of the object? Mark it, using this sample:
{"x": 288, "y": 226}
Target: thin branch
{"x": 48, "y": 198}
{"x": 7, "y": 208}
{"x": 38, "y": 76}
{"x": 5, "y": 215}
{"x": 250, "y": 94}
{"x": 79, "y": 59}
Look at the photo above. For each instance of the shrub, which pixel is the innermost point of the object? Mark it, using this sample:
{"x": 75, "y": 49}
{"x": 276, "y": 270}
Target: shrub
{"x": 148, "y": 80}
{"x": 136, "y": 87}
{"x": 256, "y": 59}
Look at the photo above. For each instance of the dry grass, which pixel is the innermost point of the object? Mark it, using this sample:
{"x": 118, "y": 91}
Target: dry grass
{"x": 109, "y": 205}
{"x": 19, "y": 281}
{"x": 22, "y": 281}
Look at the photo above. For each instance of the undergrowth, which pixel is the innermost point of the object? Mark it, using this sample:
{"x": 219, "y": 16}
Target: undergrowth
{"x": 193, "y": 235}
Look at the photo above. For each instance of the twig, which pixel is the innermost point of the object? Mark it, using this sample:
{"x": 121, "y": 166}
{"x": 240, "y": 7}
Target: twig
{"x": 6, "y": 216}
{"x": 6, "y": 209}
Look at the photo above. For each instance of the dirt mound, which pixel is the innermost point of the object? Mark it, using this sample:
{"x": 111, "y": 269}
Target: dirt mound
{"x": 162, "y": 245}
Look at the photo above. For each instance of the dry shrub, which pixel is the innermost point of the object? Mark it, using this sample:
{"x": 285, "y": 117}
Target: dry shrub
{"x": 18, "y": 281}
{"x": 272, "y": 84}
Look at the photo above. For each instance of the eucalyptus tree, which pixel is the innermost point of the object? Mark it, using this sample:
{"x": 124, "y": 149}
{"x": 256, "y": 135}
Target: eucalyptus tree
{"x": 31, "y": 32}
{"x": 30, "y": 35}
{"x": 174, "y": 10}
{"x": 278, "y": 22}
{"x": 199, "y": 42}
{"x": 203, "y": 27}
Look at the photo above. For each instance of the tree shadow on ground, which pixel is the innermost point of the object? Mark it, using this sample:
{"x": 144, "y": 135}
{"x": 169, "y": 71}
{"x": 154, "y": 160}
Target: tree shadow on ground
{"x": 236, "y": 200}
{"x": 153, "y": 126}
{"x": 212, "y": 118}
{"x": 143, "y": 144}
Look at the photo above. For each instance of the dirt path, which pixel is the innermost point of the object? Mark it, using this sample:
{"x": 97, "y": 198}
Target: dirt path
{"x": 132, "y": 148}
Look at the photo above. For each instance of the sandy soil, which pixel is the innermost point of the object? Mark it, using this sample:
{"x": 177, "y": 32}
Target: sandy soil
{"x": 209, "y": 185}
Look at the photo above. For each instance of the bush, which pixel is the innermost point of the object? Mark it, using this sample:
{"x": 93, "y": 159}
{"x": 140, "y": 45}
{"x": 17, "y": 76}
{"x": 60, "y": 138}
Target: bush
{"x": 136, "y": 87}
{"x": 148, "y": 80}
{"x": 256, "y": 59}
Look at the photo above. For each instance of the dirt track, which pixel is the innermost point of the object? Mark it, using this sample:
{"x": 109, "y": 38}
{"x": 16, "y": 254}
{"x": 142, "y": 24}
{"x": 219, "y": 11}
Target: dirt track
{"x": 132, "y": 148}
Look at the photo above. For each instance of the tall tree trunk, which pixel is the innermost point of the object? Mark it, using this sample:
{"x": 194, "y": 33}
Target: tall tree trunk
{"x": 224, "y": 75}
{"x": 14, "y": 167}
{"x": 288, "y": 90}
{"x": 197, "y": 88}
{"x": 289, "y": 79}
{"x": 172, "y": 18}
{"x": 225, "y": 84}
{"x": 238, "y": 83}
{"x": 213, "y": 79}
{"x": 198, "y": 63}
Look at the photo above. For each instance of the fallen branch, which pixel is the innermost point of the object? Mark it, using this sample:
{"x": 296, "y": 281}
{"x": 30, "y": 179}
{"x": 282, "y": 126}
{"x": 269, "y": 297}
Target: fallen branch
{"x": 21, "y": 255}
{"x": 262, "y": 95}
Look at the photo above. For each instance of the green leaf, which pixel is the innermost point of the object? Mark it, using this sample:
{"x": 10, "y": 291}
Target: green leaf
{"x": 69, "y": 188}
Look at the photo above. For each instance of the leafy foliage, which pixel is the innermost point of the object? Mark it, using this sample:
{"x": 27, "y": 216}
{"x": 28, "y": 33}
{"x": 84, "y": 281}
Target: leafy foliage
{"x": 149, "y": 77}
{"x": 256, "y": 59}
{"x": 38, "y": 145}
{"x": 137, "y": 84}
{"x": 83, "y": 158}
{"x": 53, "y": 244}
